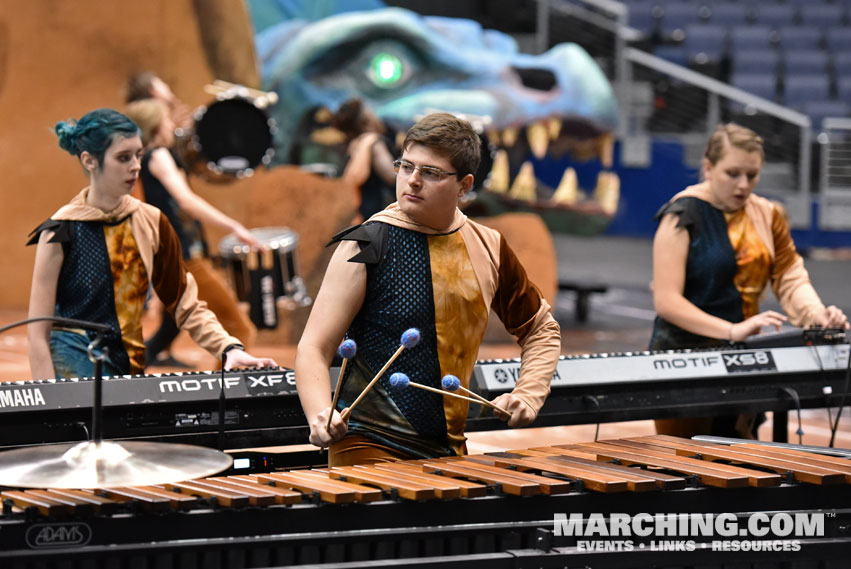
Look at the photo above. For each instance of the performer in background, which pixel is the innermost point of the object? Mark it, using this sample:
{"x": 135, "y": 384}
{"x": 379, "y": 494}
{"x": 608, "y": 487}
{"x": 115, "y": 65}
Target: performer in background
{"x": 141, "y": 86}
{"x": 370, "y": 163}
{"x": 165, "y": 186}
{"x": 420, "y": 263}
{"x": 97, "y": 255}
{"x": 717, "y": 247}
{"x": 147, "y": 85}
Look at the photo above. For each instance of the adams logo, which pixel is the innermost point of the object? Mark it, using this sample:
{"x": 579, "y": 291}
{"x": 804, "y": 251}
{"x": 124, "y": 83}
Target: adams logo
{"x": 42, "y": 536}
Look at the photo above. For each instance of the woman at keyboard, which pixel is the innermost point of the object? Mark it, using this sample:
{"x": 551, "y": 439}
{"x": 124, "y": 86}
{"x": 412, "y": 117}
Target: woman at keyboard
{"x": 717, "y": 248}
{"x": 97, "y": 255}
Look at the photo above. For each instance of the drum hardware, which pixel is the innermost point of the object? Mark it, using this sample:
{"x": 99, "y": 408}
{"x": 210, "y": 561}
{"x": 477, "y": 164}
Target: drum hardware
{"x": 227, "y": 90}
{"x": 98, "y": 463}
{"x": 266, "y": 278}
{"x": 261, "y": 269}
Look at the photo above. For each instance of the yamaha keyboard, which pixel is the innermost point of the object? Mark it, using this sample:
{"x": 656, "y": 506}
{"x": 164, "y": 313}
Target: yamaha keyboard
{"x": 688, "y": 383}
{"x": 262, "y": 406}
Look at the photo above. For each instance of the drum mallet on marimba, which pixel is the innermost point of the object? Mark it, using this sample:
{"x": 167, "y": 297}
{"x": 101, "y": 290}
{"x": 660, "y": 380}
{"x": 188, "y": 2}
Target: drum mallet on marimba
{"x": 410, "y": 338}
{"x": 347, "y": 351}
{"x": 400, "y": 381}
{"x": 452, "y": 383}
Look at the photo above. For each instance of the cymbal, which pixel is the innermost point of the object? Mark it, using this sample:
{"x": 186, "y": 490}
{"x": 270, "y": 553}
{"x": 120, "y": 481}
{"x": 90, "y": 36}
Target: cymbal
{"x": 107, "y": 464}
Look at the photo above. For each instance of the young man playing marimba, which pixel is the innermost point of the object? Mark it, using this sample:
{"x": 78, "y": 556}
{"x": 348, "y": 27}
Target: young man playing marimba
{"x": 421, "y": 264}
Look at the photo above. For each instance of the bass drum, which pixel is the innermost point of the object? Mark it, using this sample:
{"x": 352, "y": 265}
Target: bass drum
{"x": 231, "y": 138}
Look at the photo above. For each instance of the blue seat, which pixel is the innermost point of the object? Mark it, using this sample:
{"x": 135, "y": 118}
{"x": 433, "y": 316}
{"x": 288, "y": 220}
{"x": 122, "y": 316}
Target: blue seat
{"x": 678, "y": 17}
{"x": 823, "y": 15}
{"x": 730, "y": 14}
{"x": 820, "y": 110}
{"x": 760, "y": 84}
{"x": 756, "y": 61}
{"x": 751, "y": 37}
{"x": 775, "y": 15}
{"x": 800, "y": 62}
{"x": 838, "y": 39}
{"x": 673, "y": 53}
{"x": 842, "y": 64}
{"x": 798, "y": 89}
{"x": 643, "y": 15}
{"x": 705, "y": 40}
{"x": 843, "y": 89}
{"x": 800, "y": 37}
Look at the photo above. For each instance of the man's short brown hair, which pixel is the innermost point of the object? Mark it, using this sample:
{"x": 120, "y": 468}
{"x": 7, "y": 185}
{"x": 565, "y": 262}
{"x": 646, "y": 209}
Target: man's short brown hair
{"x": 448, "y": 136}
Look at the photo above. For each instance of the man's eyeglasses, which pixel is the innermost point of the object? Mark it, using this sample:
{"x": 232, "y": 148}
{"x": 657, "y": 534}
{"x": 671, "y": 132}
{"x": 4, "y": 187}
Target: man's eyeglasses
{"x": 428, "y": 173}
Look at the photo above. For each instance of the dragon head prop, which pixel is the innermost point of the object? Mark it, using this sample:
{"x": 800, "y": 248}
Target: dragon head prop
{"x": 404, "y": 66}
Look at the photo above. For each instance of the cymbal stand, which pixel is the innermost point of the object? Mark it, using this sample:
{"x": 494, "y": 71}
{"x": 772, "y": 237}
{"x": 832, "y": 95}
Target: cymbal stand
{"x": 97, "y": 358}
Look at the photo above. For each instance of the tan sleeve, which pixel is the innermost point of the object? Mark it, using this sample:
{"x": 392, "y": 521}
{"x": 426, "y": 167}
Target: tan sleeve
{"x": 522, "y": 309}
{"x": 790, "y": 279}
{"x": 178, "y": 291}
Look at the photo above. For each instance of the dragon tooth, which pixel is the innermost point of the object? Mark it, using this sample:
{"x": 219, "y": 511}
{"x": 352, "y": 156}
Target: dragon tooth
{"x": 509, "y": 137}
{"x": 498, "y": 179}
{"x": 554, "y": 127}
{"x": 568, "y": 189}
{"x": 607, "y": 192}
{"x": 523, "y": 187}
{"x": 606, "y": 146}
{"x": 538, "y": 138}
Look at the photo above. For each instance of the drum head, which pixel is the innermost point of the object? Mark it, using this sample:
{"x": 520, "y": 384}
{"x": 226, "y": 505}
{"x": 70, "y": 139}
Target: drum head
{"x": 234, "y": 136}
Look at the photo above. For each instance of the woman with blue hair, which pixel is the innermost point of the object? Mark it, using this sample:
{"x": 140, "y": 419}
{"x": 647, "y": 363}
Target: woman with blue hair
{"x": 98, "y": 255}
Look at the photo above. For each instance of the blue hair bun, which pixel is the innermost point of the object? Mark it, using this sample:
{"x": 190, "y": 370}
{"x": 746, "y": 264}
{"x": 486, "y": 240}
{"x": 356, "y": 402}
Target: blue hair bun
{"x": 400, "y": 380}
{"x": 347, "y": 349}
{"x": 450, "y": 382}
{"x": 94, "y": 132}
{"x": 410, "y": 338}
{"x": 67, "y": 133}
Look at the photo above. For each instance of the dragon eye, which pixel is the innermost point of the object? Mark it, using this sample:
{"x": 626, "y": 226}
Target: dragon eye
{"x": 385, "y": 70}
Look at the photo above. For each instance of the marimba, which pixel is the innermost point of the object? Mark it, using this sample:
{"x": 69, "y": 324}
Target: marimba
{"x": 497, "y": 508}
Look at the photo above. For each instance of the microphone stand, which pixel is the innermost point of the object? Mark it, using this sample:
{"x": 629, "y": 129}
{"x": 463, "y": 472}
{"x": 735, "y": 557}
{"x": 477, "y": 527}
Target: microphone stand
{"x": 98, "y": 463}
{"x": 95, "y": 358}
{"x": 222, "y": 406}
{"x": 97, "y": 409}
{"x": 70, "y": 322}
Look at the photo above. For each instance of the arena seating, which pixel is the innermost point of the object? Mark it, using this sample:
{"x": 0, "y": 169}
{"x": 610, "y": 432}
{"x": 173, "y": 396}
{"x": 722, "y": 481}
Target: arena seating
{"x": 794, "y": 52}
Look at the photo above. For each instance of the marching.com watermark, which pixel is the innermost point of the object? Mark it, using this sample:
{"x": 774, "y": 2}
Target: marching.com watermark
{"x": 688, "y": 532}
